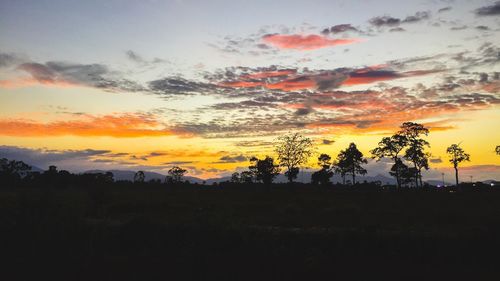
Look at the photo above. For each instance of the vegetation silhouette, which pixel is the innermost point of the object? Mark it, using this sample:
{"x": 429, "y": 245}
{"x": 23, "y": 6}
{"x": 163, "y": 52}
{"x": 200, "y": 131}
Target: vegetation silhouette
{"x": 323, "y": 176}
{"x": 350, "y": 161}
{"x": 175, "y": 175}
{"x": 416, "y": 145}
{"x": 139, "y": 177}
{"x": 264, "y": 170}
{"x": 457, "y": 155}
{"x": 293, "y": 150}
{"x": 391, "y": 147}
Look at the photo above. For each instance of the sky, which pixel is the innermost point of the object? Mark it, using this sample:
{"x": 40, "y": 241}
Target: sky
{"x": 205, "y": 85}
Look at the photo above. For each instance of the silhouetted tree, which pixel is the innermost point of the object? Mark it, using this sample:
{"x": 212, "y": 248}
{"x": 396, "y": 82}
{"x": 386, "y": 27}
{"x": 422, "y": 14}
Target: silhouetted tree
{"x": 246, "y": 177}
{"x": 139, "y": 177}
{"x": 235, "y": 177}
{"x": 406, "y": 174}
{"x": 420, "y": 161}
{"x": 175, "y": 174}
{"x": 323, "y": 176}
{"x": 12, "y": 171}
{"x": 350, "y": 160}
{"x": 340, "y": 167}
{"x": 390, "y": 147}
{"x": 415, "y": 151}
{"x": 457, "y": 155}
{"x": 109, "y": 177}
{"x": 293, "y": 150}
{"x": 264, "y": 170}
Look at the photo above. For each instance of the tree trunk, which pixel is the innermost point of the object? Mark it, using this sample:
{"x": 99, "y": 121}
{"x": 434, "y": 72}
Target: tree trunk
{"x": 420, "y": 178}
{"x": 456, "y": 175}
{"x": 416, "y": 175}
{"x": 398, "y": 177}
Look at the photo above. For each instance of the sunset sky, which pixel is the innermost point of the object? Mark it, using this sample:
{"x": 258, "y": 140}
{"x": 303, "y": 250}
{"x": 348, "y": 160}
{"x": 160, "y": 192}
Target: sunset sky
{"x": 145, "y": 85}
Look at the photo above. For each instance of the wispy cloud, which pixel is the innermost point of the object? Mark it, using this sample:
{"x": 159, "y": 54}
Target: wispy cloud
{"x": 382, "y": 21}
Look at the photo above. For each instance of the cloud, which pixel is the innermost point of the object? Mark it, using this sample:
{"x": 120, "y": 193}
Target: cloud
{"x": 397, "y": 29}
{"x": 482, "y": 27}
{"x": 339, "y": 28}
{"x": 490, "y": 10}
{"x": 44, "y": 157}
{"x": 303, "y": 111}
{"x": 178, "y": 86}
{"x": 419, "y": 16}
{"x": 123, "y": 125}
{"x": 327, "y": 142}
{"x": 382, "y": 21}
{"x": 462, "y": 27}
{"x": 305, "y": 42}
{"x": 232, "y": 159}
{"x": 90, "y": 75}
{"x": 177, "y": 163}
{"x": 436, "y": 160}
{"x": 138, "y": 59}
{"x": 155, "y": 154}
{"x": 321, "y": 80}
{"x": 133, "y": 56}
{"x": 10, "y": 59}
{"x": 445, "y": 9}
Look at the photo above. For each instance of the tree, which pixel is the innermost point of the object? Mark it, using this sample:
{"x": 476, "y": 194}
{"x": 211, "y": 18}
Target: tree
{"x": 416, "y": 145}
{"x": 406, "y": 175}
{"x": 457, "y": 155}
{"x": 497, "y": 149}
{"x": 139, "y": 177}
{"x": 109, "y": 177}
{"x": 13, "y": 171}
{"x": 264, "y": 170}
{"x": 235, "y": 177}
{"x": 420, "y": 161}
{"x": 351, "y": 160}
{"x": 293, "y": 150}
{"x": 175, "y": 174}
{"x": 390, "y": 147}
{"x": 323, "y": 176}
{"x": 246, "y": 177}
{"x": 340, "y": 167}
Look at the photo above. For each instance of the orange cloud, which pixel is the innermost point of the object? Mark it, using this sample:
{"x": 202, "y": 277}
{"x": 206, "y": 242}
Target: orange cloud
{"x": 241, "y": 84}
{"x": 293, "y": 84}
{"x": 120, "y": 126}
{"x": 304, "y": 42}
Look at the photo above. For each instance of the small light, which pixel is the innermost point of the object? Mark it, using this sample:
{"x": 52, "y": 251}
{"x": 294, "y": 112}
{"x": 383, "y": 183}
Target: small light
{"x": 492, "y": 184}
{"x": 438, "y": 186}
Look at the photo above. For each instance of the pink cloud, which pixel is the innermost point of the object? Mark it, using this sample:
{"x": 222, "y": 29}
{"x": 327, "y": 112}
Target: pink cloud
{"x": 305, "y": 42}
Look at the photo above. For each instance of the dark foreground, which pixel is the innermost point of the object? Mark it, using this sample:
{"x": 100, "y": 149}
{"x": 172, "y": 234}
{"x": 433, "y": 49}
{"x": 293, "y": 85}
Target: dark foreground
{"x": 150, "y": 233}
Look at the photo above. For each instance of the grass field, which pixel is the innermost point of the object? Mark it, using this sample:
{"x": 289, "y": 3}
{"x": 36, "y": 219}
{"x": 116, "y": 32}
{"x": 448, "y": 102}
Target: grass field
{"x": 202, "y": 233}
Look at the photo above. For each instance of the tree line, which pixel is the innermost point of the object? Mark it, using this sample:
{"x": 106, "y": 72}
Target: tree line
{"x": 406, "y": 148}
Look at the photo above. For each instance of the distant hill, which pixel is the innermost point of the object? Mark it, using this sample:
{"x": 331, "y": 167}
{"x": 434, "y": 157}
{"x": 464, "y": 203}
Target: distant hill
{"x": 304, "y": 177}
{"x": 129, "y": 175}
